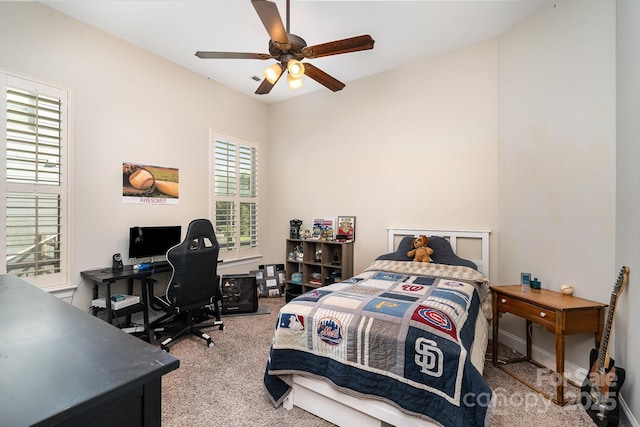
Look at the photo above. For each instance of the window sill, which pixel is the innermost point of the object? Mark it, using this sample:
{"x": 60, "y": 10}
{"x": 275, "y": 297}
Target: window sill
{"x": 61, "y": 291}
{"x": 235, "y": 262}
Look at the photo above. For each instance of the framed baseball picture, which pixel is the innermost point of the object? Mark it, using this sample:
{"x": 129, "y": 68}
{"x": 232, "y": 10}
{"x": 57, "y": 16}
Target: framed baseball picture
{"x": 346, "y": 228}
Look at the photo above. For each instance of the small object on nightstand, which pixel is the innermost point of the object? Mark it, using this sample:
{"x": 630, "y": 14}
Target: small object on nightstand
{"x": 525, "y": 281}
{"x": 535, "y": 283}
{"x": 567, "y": 289}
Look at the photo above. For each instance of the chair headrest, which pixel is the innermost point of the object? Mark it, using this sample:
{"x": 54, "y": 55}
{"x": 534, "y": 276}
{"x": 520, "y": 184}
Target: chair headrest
{"x": 200, "y": 227}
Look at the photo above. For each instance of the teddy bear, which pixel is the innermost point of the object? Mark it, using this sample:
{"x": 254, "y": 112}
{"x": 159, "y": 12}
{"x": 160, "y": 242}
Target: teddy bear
{"x": 419, "y": 249}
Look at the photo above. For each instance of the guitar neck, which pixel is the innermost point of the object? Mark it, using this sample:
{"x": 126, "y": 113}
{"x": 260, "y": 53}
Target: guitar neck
{"x": 603, "y": 352}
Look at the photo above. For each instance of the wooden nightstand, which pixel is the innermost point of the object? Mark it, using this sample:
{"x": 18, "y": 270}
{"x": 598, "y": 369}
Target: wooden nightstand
{"x": 557, "y": 313}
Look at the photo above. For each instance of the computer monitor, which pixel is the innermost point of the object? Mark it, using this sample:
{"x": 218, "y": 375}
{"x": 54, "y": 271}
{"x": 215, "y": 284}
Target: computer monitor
{"x": 149, "y": 242}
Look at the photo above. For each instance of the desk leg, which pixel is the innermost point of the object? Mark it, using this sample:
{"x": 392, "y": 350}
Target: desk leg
{"x": 496, "y": 328}
{"x": 94, "y": 311}
{"x": 129, "y": 292}
{"x": 145, "y": 310}
{"x": 559, "y": 361}
{"x": 529, "y": 333}
{"x": 107, "y": 304}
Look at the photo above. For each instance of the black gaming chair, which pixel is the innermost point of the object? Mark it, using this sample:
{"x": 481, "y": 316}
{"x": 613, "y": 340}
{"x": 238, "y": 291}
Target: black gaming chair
{"x": 193, "y": 291}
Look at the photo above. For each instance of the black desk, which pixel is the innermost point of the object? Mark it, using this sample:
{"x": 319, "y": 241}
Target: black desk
{"x": 107, "y": 276}
{"x": 62, "y": 366}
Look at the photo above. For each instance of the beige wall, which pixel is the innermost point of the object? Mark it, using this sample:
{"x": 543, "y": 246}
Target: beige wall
{"x": 414, "y": 148}
{"x": 627, "y": 340}
{"x": 130, "y": 105}
{"x": 557, "y": 147}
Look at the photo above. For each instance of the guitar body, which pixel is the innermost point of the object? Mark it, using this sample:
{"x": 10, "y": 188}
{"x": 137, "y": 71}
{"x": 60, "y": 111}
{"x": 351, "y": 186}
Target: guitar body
{"x": 602, "y": 406}
{"x": 600, "y": 390}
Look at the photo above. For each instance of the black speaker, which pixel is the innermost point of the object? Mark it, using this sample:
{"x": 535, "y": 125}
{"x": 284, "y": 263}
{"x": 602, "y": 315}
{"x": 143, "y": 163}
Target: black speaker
{"x": 239, "y": 294}
{"x": 117, "y": 262}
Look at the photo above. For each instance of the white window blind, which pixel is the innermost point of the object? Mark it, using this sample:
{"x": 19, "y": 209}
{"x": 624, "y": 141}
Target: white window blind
{"x": 234, "y": 196}
{"x": 34, "y": 144}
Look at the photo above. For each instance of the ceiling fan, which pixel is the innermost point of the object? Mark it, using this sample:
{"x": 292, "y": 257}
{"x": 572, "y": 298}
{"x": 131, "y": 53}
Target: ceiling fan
{"x": 288, "y": 49}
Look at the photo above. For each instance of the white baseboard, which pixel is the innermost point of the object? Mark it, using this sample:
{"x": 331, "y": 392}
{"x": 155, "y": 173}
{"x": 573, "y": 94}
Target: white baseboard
{"x": 63, "y": 293}
{"x": 572, "y": 371}
{"x": 630, "y": 419}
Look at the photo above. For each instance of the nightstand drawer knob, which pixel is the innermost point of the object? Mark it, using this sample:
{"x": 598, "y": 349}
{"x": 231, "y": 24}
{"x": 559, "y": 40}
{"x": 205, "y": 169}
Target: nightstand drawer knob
{"x": 503, "y": 300}
{"x": 543, "y": 314}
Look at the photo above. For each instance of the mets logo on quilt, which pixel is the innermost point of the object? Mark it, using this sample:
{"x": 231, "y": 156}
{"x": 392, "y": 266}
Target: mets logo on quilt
{"x": 330, "y": 330}
{"x": 435, "y": 318}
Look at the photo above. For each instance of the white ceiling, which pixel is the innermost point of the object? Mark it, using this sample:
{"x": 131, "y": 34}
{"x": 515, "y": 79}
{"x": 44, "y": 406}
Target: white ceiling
{"x": 404, "y": 31}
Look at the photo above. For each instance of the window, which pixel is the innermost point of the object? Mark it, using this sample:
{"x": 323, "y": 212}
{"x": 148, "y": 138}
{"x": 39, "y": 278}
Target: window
{"x": 33, "y": 123}
{"x": 234, "y": 196}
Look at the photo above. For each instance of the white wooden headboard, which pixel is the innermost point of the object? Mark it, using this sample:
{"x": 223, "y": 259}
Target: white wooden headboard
{"x": 480, "y": 256}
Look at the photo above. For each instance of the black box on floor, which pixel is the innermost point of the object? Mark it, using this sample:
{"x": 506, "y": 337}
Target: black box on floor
{"x": 239, "y": 294}
{"x": 292, "y": 292}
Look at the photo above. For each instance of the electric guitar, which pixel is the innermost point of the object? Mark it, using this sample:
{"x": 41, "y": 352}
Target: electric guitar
{"x": 599, "y": 392}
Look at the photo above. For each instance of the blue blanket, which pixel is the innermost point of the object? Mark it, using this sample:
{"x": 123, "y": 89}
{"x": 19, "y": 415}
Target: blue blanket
{"x": 389, "y": 334}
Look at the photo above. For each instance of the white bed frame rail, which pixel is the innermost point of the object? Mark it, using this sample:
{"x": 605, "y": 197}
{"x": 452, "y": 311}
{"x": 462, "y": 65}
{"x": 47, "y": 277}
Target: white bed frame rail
{"x": 483, "y": 262}
{"x": 341, "y": 409}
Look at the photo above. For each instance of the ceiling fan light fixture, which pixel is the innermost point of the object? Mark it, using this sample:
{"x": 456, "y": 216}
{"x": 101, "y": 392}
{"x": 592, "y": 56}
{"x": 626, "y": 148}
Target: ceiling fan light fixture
{"x": 272, "y": 73}
{"x": 296, "y": 68}
{"x": 294, "y": 83}
{"x": 289, "y": 49}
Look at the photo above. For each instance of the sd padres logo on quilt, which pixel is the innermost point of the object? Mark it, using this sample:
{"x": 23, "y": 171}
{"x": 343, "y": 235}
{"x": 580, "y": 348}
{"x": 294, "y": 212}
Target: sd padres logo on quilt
{"x": 429, "y": 357}
{"x": 330, "y": 330}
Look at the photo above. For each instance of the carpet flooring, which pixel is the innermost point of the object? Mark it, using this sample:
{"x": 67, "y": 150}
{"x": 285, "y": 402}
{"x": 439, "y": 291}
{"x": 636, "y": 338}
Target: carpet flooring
{"x": 222, "y": 386}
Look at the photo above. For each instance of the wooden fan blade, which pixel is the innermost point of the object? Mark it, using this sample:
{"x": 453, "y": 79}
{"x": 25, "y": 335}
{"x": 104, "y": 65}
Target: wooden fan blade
{"x": 353, "y": 44}
{"x": 265, "y": 87}
{"x": 323, "y": 78}
{"x": 268, "y": 14}
{"x": 231, "y": 55}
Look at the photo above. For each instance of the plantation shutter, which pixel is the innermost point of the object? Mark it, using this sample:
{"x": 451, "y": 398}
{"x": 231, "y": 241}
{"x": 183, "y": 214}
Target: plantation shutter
{"x": 35, "y": 188}
{"x": 235, "y": 176}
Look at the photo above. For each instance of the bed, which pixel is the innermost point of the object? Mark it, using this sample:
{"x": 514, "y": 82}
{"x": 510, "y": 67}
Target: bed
{"x": 400, "y": 344}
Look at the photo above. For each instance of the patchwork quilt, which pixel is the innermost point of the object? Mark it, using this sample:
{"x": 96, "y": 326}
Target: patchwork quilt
{"x": 400, "y": 332}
